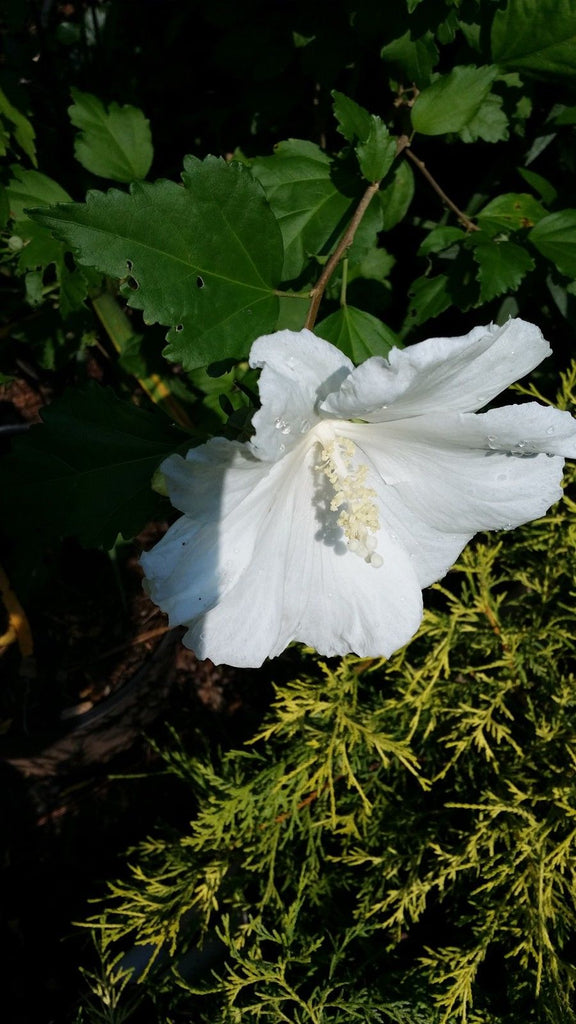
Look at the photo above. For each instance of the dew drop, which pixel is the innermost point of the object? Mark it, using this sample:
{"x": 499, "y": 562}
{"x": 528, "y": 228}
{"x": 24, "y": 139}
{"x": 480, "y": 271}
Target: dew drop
{"x": 279, "y": 423}
{"x": 522, "y": 448}
{"x": 285, "y": 429}
{"x": 304, "y": 426}
{"x": 281, "y": 447}
{"x": 550, "y": 430}
{"x": 492, "y": 441}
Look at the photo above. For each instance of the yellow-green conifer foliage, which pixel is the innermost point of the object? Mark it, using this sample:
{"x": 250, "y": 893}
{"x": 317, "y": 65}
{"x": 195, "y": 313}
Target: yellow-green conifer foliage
{"x": 398, "y": 842}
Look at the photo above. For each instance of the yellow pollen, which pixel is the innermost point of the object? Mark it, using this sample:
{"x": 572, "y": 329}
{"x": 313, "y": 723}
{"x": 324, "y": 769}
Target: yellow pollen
{"x": 358, "y": 517}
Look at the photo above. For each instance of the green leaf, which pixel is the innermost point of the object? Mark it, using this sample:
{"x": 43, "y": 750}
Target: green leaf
{"x": 512, "y": 211}
{"x": 28, "y": 189}
{"x": 555, "y": 237}
{"x": 205, "y": 258}
{"x": 114, "y": 143}
{"x": 489, "y": 122}
{"x": 537, "y": 36}
{"x": 86, "y": 471}
{"x": 354, "y": 122}
{"x": 310, "y": 210}
{"x": 545, "y": 189}
{"x": 23, "y": 131}
{"x": 452, "y": 101}
{"x": 396, "y": 197}
{"x": 375, "y": 266}
{"x": 441, "y": 238}
{"x": 565, "y": 116}
{"x": 415, "y": 59}
{"x": 31, "y": 188}
{"x": 358, "y": 334}
{"x": 501, "y": 267}
{"x": 4, "y": 207}
{"x": 376, "y": 155}
{"x": 428, "y": 297}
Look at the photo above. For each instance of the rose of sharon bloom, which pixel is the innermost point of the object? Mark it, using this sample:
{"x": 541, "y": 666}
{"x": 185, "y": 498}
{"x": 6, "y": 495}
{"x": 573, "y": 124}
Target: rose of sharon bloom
{"x": 360, "y": 486}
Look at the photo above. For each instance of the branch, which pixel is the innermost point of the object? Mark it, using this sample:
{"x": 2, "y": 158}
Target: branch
{"x": 468, "y": 224}
{"x": 344, "y": 243}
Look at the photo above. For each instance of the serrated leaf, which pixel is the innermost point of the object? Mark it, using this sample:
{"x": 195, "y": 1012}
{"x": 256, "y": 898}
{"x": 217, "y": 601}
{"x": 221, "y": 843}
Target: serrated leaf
{"x": 396, "y": 197}
{"x": 22, "y": 130}
{"x": 415, "y": 59}
{"x": 206, "y": 257}
{"x": 452, "y": 101}
{"x": 537, "y": 36}
{"x": 376, "y": 155}
{"x": 512, "y": 211}
{"x": 428, "y": 297}
{"x": 113, "y": 143}
{"x": 354, "y": 122}
{"x": 555, "y": 237}
{"x": 310, "y": 210}
{"x": 86, "y": 471}
{"x": 358, "y": 334}
{"x": 501, "y": 267}
{"x": 489, "y": 122}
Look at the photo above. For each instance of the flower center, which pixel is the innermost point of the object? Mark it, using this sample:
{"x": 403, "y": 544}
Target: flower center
{"x": 358, "y": 516}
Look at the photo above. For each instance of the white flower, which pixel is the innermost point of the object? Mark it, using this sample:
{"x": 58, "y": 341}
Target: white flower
{"x": 359, "y": 487}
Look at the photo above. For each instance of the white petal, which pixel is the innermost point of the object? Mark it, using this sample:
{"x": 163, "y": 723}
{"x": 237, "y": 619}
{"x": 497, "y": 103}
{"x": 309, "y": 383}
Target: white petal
{"x": 223, "y": 489}
{"x": 442, "y": 482}
{"x": 298, "y": 371}
{"x": 302, "y": 583}
{"x": 454, "y": 374}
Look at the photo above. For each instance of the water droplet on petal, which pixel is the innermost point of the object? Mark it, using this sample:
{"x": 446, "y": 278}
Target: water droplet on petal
{"x": 281, "y": 448}
{"x": 550, "y": 430}
{"x": 285, "y": 429}
{"x": 304, "y": 426}
{"x": 492, "y": 441}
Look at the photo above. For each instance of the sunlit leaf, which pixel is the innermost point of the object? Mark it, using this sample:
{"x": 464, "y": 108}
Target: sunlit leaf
{"x": 205, "y": 258}
{"x": 311, "y": 211}
{"x": 356, "y": 333}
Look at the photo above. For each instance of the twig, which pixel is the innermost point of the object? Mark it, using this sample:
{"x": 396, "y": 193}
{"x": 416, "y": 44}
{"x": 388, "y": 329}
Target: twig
{"x": 468, "y": 224}
{"x": 141, "y": 638}
{"x": 344, "y": 243}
